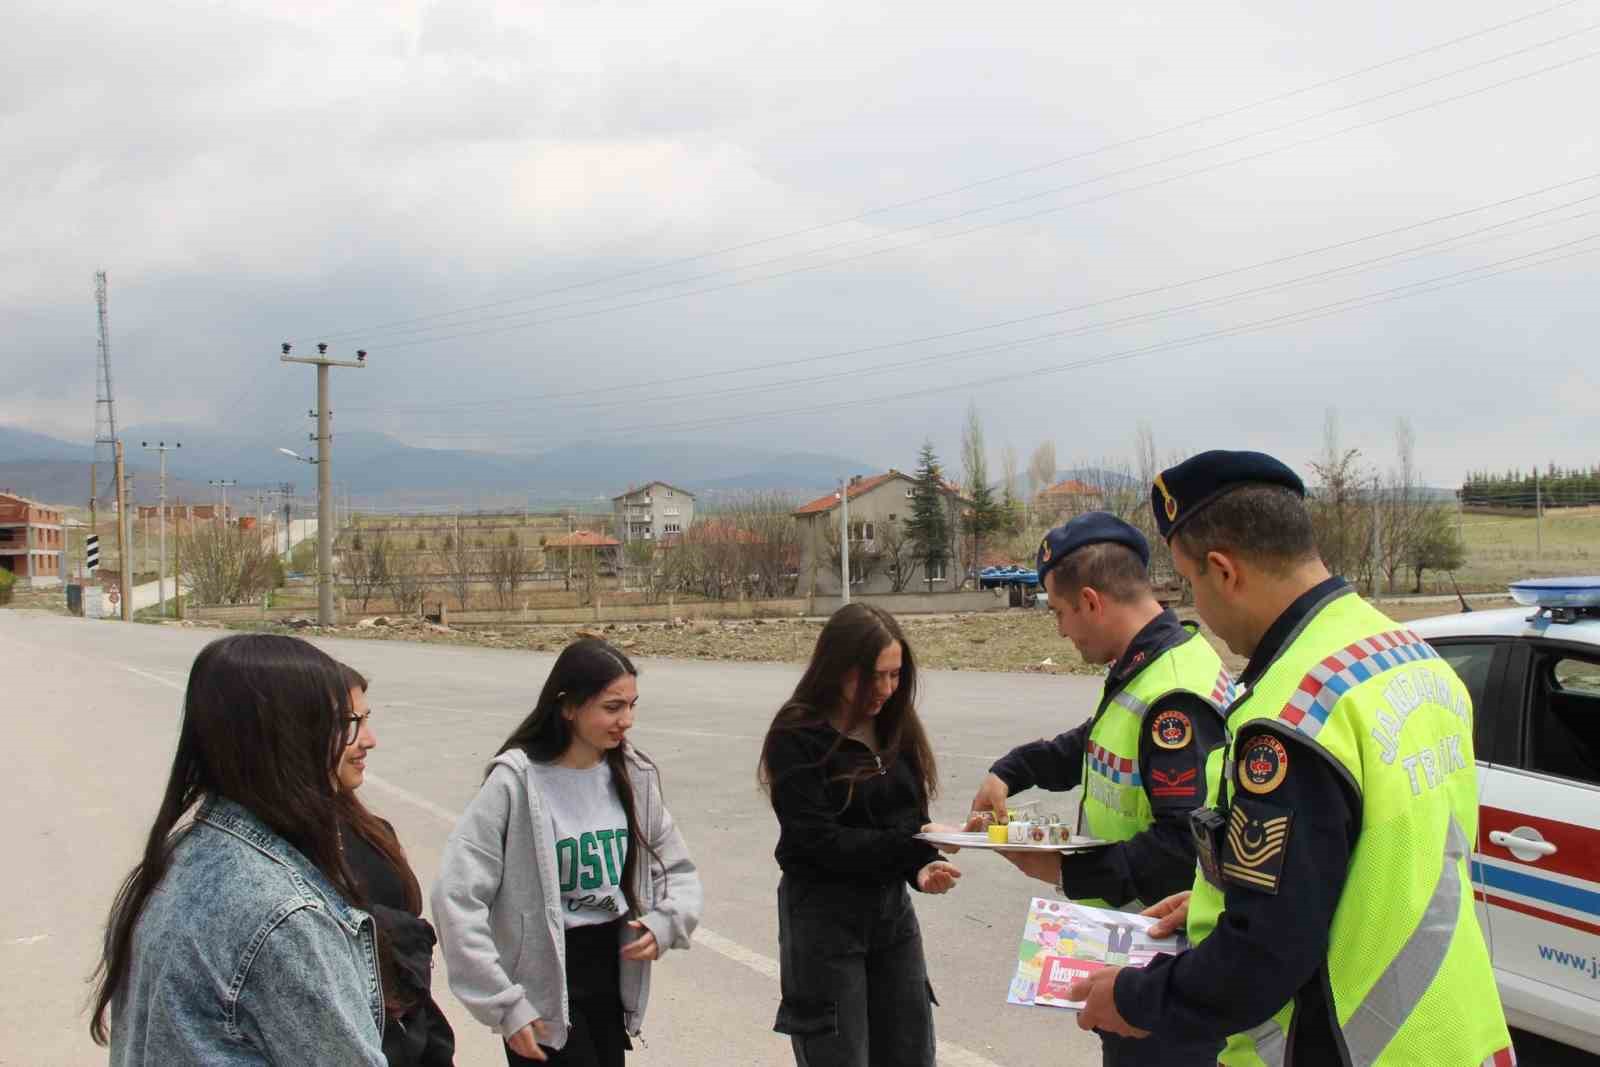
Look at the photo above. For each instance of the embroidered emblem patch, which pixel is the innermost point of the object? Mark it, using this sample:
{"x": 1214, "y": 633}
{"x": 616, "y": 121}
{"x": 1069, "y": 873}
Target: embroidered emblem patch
{"x": 1174, "y": 783}
{"x": 1171, "y": 501}
{"x": 1263, "y": 764}
{"x": 1258, "y": 833}
{"x": 1044, "y": 550}
{"x": 1171, "y": 729}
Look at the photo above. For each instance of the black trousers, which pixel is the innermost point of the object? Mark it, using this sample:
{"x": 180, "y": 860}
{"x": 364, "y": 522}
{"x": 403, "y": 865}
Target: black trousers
{"x": 1155, "y": 1051}
{"x": 855, "y": 983}
{"x": 596, "y": 1037}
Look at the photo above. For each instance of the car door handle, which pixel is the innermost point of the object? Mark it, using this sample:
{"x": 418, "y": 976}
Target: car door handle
{"x": 1518, "y": 843}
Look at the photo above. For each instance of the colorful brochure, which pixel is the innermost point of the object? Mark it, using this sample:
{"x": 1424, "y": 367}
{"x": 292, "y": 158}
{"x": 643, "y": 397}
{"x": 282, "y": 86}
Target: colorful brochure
{"x": 1064, "y": 942}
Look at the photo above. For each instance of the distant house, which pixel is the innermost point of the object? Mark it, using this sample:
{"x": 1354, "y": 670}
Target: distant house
{"x": 32, "y": 541}
{"x": 574, "y": 550}
{"x": 652, "y": 512}
{"x": 1062, "y": 501}
{"x": 881, "y": 556}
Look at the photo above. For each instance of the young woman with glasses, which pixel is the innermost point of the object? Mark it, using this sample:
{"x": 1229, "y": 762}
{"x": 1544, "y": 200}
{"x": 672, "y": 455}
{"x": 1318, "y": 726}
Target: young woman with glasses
{"x": 566, "y": 877}
{"x": 415, "y": 1032}
{"x": 240, "y": 937}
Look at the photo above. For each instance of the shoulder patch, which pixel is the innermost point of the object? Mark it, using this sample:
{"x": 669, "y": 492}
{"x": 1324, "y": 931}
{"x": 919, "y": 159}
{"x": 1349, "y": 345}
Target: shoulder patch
{"x": 1263, "y": 764}
{"x": 1252, "y": 855}
{"x": 1171, "y": 729}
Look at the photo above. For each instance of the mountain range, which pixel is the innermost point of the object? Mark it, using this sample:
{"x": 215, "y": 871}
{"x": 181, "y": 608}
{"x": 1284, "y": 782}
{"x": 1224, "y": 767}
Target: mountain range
{"x": 375, "y": 465}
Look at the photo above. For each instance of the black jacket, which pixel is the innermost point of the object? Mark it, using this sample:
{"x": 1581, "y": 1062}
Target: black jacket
{"x": 828, "y": 831}
{"x": 422, "y": 1037}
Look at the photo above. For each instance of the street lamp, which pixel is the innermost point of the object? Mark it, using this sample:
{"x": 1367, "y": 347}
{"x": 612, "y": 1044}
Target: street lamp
{"x": 295, "y": 455}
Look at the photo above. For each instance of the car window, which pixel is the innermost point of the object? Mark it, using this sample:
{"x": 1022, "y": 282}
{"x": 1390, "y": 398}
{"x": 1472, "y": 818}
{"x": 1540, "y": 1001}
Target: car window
{"x": 1471, "y": 661}
{"x": 1564, "y": 716}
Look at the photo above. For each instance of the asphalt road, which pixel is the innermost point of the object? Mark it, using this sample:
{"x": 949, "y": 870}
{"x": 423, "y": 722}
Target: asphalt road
{"x": 90, "y": 719}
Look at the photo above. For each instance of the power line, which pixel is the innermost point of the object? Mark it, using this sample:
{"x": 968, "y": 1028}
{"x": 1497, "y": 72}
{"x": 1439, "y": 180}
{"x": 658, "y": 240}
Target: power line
{"x": 1051, "y": 313}
{"x": 1450, "y": 244}
{"x": 1419, "y": 288}
{"x": 1075, "y": 157}
{"x": 982, "y": 227}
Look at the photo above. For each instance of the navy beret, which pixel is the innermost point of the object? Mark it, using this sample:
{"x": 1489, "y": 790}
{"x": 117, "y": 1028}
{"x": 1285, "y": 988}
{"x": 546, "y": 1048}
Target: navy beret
{"x": 1090, "y": 528}
{"x": 1180, "y": 492}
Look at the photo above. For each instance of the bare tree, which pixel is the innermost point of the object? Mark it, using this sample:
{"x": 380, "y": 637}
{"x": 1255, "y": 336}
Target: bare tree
{"x": 508, "y": 564}
{"x": 226, "y": 565}
{"x": 456, "y": 564}
{"x": 897, "y": 554}
{"x": 770, "y": 537}
{"x": 1008, "y": 468}
{"x": 1338, "y": 506}
{"x": 367, "y": 568}
{"x": 407, "y": 579}
{"x": 1042, "y": 467}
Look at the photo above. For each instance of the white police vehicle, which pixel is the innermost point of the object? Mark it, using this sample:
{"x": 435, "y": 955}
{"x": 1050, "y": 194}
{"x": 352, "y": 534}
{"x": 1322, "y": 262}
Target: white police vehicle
{"x": 1534, "y": 674}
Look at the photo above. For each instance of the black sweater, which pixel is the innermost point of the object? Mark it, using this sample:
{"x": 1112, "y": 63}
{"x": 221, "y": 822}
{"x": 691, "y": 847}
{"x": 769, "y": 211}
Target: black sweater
{"x": 422, "y": 1037}
{"x": 827, "y": 831}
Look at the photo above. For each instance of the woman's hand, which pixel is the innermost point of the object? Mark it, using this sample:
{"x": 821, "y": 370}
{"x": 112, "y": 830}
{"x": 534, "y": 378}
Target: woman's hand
{"x": 942, "y": 828}
{"x": 525, "y": 1042}
{"x": 938, "y": 877}
{"x": 643, "y": 949}
{"x": 1173, "y": 913}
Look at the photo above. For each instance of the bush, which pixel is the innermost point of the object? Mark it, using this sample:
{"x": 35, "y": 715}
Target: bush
{"x": 8, "y": 584}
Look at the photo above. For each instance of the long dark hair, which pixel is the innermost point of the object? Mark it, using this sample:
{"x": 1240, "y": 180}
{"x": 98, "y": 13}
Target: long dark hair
{"x": 263, "y": 720}
{"x": 849, "y": 645}
{"x": 582, "y": 671}
{"x": 397, "y": 997}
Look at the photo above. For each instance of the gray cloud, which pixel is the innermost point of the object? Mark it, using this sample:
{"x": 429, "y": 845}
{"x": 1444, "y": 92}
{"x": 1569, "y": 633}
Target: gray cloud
{"x": 260, "y": 171}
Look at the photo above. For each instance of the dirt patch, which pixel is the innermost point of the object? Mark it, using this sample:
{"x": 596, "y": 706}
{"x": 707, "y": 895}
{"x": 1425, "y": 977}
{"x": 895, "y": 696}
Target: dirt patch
{"x": 1019, "y": 640}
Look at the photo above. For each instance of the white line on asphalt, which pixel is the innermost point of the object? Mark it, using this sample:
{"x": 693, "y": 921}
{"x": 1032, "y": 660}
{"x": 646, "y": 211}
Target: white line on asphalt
{"x": 766, "y": 966}
{"x": 446, "y": 817}
{"x": 179, "y": 686}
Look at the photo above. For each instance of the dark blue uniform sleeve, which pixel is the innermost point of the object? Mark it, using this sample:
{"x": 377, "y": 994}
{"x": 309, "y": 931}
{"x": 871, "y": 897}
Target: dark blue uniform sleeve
{"x": 1271, "y": 940}
{"x": 1178, "y": 733}
{"x": 1055, "y": 765}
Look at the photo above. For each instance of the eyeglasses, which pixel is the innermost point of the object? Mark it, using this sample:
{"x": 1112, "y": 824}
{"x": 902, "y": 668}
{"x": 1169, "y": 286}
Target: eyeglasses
{"x": 352, "y": 727}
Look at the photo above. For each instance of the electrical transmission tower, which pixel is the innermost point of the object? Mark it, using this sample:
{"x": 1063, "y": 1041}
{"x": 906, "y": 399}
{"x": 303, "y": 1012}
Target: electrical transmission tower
{"x": 105, "y": 412}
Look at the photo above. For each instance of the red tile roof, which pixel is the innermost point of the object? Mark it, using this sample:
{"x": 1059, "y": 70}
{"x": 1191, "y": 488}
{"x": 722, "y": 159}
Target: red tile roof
{"x": 831, "y": 501}
{"x": 1070, "y": 487}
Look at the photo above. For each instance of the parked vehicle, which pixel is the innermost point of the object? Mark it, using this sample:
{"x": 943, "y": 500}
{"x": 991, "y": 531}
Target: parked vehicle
{"x": 1534, "y": 675}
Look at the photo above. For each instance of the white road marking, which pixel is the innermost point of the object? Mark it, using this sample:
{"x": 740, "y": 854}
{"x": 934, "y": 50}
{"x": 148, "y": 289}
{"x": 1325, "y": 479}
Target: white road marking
{"x": 34, "y": 940}
{"x": 766, "y": 966}
{"x": 446, "y": 817}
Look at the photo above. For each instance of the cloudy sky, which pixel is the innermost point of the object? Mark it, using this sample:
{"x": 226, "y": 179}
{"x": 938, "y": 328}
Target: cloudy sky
{"x": 822, "y": 226}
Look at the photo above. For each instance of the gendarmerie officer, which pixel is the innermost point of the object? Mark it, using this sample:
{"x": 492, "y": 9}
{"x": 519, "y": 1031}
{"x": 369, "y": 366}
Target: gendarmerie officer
{"x": 1140, "y": 757}
{"x": 1332, "y": 914}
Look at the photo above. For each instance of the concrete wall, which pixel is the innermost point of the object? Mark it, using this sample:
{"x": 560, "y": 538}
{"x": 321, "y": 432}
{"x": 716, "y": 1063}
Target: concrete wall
{"x": 909, "y": 603}
{"x": 900, "y": 604}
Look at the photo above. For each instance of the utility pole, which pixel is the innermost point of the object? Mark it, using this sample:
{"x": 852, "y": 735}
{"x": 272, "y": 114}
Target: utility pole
{"x": 124, "y": 542}
{"x": 324, "y": 461}
{"x": 223, "y": 483}
{"x": 1538, "y": 517}
{"x": 161, "y": 572}
{"x": 1377, "y": 537}
{"x": 844, "y": 541}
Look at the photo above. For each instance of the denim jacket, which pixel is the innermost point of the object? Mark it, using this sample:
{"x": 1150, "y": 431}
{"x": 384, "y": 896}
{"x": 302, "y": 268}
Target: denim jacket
{"x": 246, "y": 954}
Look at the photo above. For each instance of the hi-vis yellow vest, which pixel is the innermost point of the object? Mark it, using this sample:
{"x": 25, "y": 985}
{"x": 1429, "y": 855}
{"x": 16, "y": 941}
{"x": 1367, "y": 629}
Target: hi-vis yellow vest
{"x": 1115, "y": 805}
{"x": 1407, "y": 965}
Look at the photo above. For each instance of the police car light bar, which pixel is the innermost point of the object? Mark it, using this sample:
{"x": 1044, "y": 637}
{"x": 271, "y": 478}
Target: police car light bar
{"x": 1557, "y": 592}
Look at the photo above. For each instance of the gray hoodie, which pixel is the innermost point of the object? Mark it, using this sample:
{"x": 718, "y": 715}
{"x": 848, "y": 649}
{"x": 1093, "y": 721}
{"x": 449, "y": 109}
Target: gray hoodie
{"x": 500, "y": 924}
